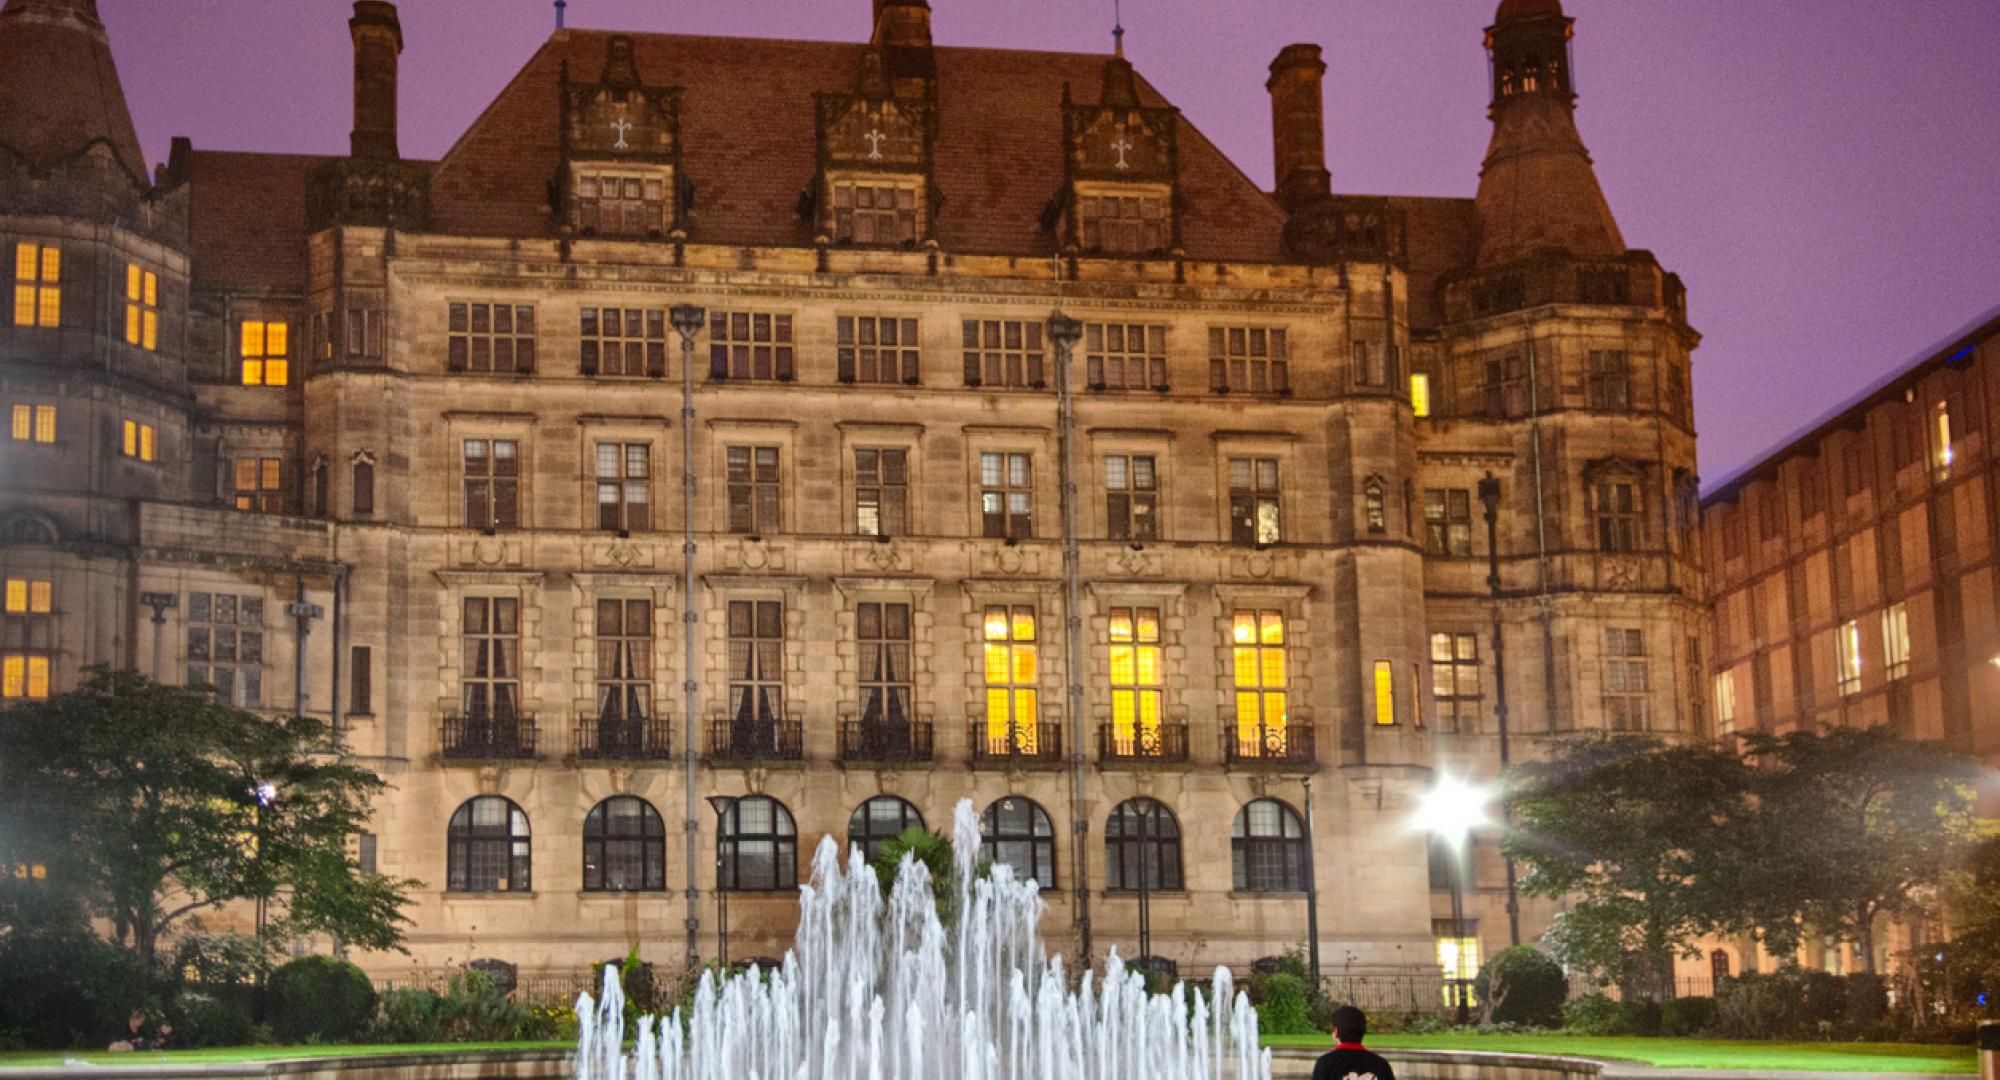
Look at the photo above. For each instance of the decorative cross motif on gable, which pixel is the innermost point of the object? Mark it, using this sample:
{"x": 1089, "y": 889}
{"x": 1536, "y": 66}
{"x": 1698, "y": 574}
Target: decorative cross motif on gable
{"x": 1121, "y": 146}
{"x": 1122, "y": 143}
{"x": 874, "y": 137}
{"x": 621, "y": 126}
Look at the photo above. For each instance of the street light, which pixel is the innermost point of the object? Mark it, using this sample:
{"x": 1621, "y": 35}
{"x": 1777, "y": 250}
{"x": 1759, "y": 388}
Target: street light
{"x": 1143, "y": 806}
{"x": 1489, "y": 496}
{"x": 263, "y": 795}
{"x": 1450, "y": 810}
{"x": 722, "y": 804}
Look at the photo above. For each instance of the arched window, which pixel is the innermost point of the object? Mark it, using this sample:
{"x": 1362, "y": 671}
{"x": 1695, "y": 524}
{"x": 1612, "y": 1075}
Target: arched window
{"x": 486, "y": 847}
{"x": 1268, "y": 846}
{"x": 760, "y": 846}
{"x": 878, "y": 820}
{"x": 624, "y": 847}
{"x": 1144, "y": 841}
{"x": 1718, "y": 967}
{"x": 1016, "y": 832}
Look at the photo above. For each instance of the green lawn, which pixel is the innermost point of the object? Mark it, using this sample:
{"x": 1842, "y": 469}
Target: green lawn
{"x": 255, "y": 1053}
{"x": 1693, "y": 1053}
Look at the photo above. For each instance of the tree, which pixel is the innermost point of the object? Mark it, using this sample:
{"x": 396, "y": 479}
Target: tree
{"x": 149, "y": 804}
{"x": 1635, "y": 834}
{"x": 1852, "y": 825}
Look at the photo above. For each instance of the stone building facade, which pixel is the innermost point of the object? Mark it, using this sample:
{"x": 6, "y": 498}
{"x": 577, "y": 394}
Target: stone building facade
{"x": 401, "y": 443}
{"x": 1853, "y": 573}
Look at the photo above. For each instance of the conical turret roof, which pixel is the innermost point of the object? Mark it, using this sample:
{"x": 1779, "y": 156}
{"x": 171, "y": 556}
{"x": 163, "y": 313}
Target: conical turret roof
{"x": 61, "y": 87}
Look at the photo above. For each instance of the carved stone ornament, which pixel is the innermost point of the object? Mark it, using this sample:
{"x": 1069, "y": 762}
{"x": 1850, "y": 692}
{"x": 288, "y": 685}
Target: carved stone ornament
{"x": 619, "y": 117}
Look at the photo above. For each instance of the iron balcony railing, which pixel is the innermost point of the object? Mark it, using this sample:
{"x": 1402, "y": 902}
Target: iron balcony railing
{"x": 1281, "y": 745}
{"x": 488, "y": 735}
{"x": 886, "y": 740}
{"x": 624, "y": 738}
{"x": 736, "y": 739}
{"x": 1016, "y": 745}
{"x": 1159, "y": 744}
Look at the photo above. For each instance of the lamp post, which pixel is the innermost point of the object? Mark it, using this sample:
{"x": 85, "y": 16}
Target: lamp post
{"x": 722, "y": 804}
{"x": 1489, "y": 496}
{"x": 1065, "y": 331}
{"x": 1450, "y": 810}
{"x": 1143, "y": 806}
{"x": 263, "y": 795}
{"x": 688, "y": 320}
{"x": 1312, "y": 891}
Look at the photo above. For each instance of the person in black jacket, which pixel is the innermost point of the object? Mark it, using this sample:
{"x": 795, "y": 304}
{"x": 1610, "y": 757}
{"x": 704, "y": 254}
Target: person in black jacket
{"x": 1349, "y": 1060}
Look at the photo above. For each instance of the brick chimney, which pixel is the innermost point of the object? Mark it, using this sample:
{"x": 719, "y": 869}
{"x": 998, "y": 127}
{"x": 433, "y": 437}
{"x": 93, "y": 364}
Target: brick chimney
{"x": 1298, "y": 131}
{"x": 902, "y": 23}
{"x": 378, "y": 40}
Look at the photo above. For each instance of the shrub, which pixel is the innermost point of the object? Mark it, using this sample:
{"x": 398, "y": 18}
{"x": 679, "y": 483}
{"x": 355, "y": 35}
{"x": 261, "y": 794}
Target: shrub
{"x": 320, "y": 999}
{"x": 1867, "y": 1013}
{"x": 1785, "y": 1004}
{"x": 475, "y": 1009}
{"x": 1591, "y": 1014}
{"x": 201, "y": 1020}
{"x": 548, "y": 1021}
{"x": 1281, "y": 1005}
{"x": 408, "y": 1016}
{"x": 1688, "y": 1017}
{"x": 63, "y": 987}
{"x": 1635, "y": 1018}
{"x": 1524, "y": 987}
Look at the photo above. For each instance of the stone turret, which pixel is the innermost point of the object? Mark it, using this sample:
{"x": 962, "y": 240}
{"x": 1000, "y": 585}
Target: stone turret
{"x": 65, "y": 116}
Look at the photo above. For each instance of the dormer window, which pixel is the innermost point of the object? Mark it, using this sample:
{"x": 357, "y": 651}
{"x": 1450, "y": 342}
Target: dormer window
{"x": 620, "y": 202}
{"x": 877, "y": 210}
{"x": 1124, "y": 221}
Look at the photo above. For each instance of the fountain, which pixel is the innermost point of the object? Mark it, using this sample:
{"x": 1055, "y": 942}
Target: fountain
{"x": 887, "y": 992}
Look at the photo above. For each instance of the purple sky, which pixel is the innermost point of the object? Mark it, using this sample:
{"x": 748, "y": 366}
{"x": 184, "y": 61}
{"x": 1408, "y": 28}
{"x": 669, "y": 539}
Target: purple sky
{"x": 1825, "y": 175}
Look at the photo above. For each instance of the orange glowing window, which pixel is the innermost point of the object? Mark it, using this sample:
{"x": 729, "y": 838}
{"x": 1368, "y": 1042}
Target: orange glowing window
{"x": 34, "y": 423}
{"x": 1136, "y": 680}
{"x": 1013, "y": 679}
{"x": 266, "y": 353}
{"x": 1385, "y": 694}
{"x": 27, "y": 634}
{"x": 1258, "y": 663}
{"x": 141, "y": 441}
{"x": 37, "y": 285}
{"x": 142, "y": 307}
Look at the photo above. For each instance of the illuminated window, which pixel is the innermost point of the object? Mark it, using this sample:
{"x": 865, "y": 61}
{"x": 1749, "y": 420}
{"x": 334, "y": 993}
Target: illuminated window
{"x": 619, "y": 204}
{"x": 750, "y": 345}
{"x": 1251, "y": 359}
{"x": 1136, "y": 680}
{"x": 1125, "y": 223}
{"x": 259, "y": 484}
{"x": 492, "y": 481}
{"x": 624, "y": 475}
{"x": 753, "y": 483}
{"x": 1261, "y": 683}
{"x": 1455, "y": 681}
{"x": 1627, "y": 705}
{"x": 142, "y": 307}
{"x": 1003, "y": 352}
{"x": 1267, "y": 848}
{"x": 624, "y": 670}
{"x": 1131, "y": 497}
{"x": 37, "y": 285}
{"x": 1847, "y": 647}
{"x": 1448, "y": 522}
{"x": 490, "y": 681}
{"x": 1120, "y": 356}
{"x": 1253, "y": 501}
{"x": 1725, "y": 703}
{"x": 1006, "y": 495}
{"x": 1385, "y": 694}
{"x": 31, "y": 871}
{"x": 1459, "y": 960}
{"x": 1617, "y": 515}
{"x": 875, "y": 212}
{"x": 1013, "y": 680}
{"x": 225, "y": 646}
{"x": 870, "y": 349}
{"x": 141, "y": 441}
{"x": 27, "y": 638}
{"x": 265, "y": 347}
{"x": 624, "y": 341}
{"x": 883, "y": 632}
{"x": 881, "y": 492}
{"x": 34, "y": 423}
{"x": 1420, "y": 394}
{"x": 1941, "y": 425}
{"x": 490, "y": 337}
{"x": 1896, "y": 641}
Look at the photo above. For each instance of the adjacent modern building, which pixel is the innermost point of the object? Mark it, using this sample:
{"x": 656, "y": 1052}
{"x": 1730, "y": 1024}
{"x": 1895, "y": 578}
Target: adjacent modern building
{"x": 847, "y": 429}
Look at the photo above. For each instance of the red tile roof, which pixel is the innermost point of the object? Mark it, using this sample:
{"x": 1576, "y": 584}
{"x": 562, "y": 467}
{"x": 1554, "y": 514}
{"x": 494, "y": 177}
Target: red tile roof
{"x": 1441, "y": 235}
{"x": 61, "y": 43}
{"x": 249, "y": 219}
{"x": 747, "y": 127}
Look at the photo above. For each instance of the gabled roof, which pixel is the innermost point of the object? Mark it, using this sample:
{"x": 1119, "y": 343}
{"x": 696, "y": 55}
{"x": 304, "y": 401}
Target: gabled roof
{"x": 747, "y": 129}
{"x": 59, "y": 90}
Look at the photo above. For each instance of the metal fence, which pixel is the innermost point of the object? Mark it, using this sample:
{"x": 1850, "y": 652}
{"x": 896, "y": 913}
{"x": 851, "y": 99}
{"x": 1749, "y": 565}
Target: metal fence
{"x": 557, "y": 985}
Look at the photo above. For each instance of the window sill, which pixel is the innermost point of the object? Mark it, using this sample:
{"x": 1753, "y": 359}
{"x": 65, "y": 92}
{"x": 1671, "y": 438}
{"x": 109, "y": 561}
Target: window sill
{"x": 621, "y": 894}
{"x": 1133, "y": 894}
{"x": 510, "y": 895}
{"x": 1246, "y": 894}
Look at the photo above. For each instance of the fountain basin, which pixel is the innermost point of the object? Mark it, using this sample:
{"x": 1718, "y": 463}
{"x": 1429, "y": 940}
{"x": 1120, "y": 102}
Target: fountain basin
{"x": 1293, "y": 1064}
